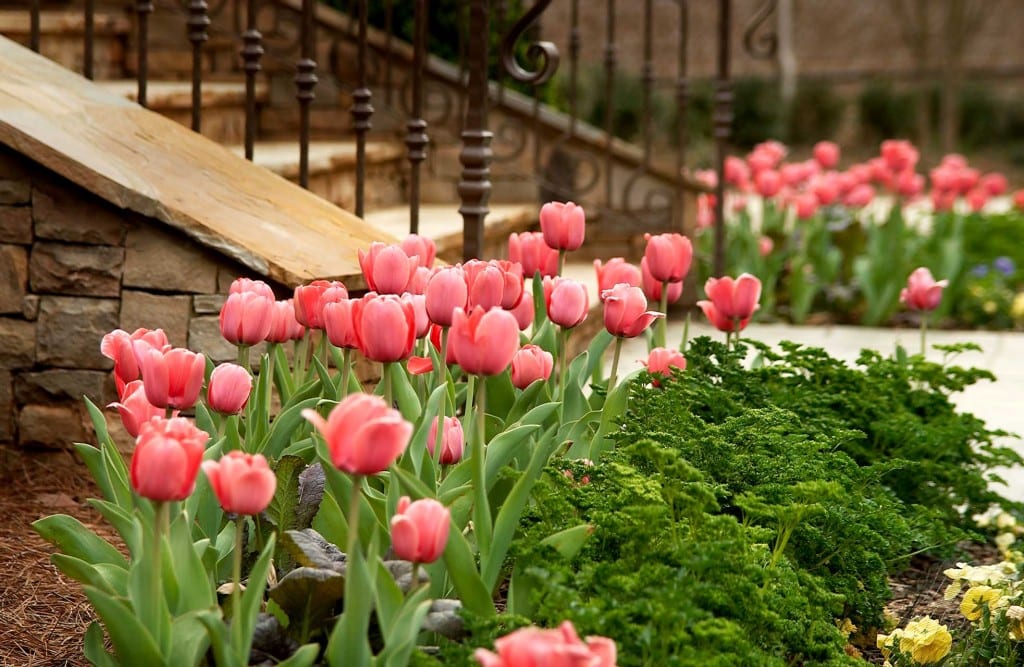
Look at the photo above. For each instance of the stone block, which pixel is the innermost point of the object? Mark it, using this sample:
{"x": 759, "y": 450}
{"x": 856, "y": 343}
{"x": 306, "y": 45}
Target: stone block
{"x": 156, "y": 311}
{"x": 30, "y": 307}
{"x": 62, "y": 212}
{"x": 16, "y": 224}
{"x": 204, "y": 336}
{"x": 17, "y": 343}
{"x": 12, "y": 165}
{"x": 208, "y": 304}
{"x": 70, "y": 329}
{"x": 15, "y": 191}
{"x": 13, "y": 277}
{"x": 6, "y": 407}
{"x": 226, "y": 275}
{"x": 89, "y": 270}
{"x": 52, "y": 425}
{"x": 171, "y": 262}
{"x": 62, "y": 385}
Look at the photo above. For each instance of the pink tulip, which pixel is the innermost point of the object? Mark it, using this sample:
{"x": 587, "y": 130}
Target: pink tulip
{"x": 420, "y": 278}
{"x": 385, "y": 326}
{"x": 625, "y": 311}
{"x": 668, "y": 256}
{"x": 512, "y": 282}
{"x": 719, "y": 321}
{"x": 1018, "y": 200}
{"x": 531, "y": 363}
{"x": 134, "y": 408}
{"x": 994, "y": 184}
{"x": 859, "y": 197}
{"x": 737, "y": 173}
{"x": 307, "y": 302}
{"x": 966, "y": 179}
{"x": 530, "y": 250}
{"x": 909, "y": 184}
{"x": 453, "y": 440}
{"x": 283, "y": 326}
{"x": 229, "y": 388}
{"x": 734, "y": 299}
{"x": 446, "y": 290}
{"x": 616, "y": 271}
{"x": 486, "y": 283}
{"x": 827, "y": 154}
{"x": 419, "y": 310}
{"x": 826, "y": 188}
{"x": 922, "y": 292}
{"x": 524, "y": 312}
{"x": 976, "y": 199}
{"x": 776, "y": 150}
{"x": 246, "y": 318}
{"x": 899, "y": 155}
{"x": 387, "y": 268}
{"x": 339, "y": 324}
{"x": 768, "y": 183}
{"x": 419, "y": 530}
{"x": 944, "y": 178}
{"x": 760, "y": 161}
{"x": 243, "y": 483}
{"x": 422, "y": 248}
{"x": 806, "y": 205}
{"x": 566, "y": 301}
{"x": 765, "y": 245}
{"x": 943, "y": 200}
{"x": 662, "y": 360}
{"x": 242, "y": 285}
{"x": 793, "y": 174}
{"x": 166, "y": 458}
{"x": 954, "y": 160}
{"x": 119, "y": 346}
{"x": 705, "y": 211}
{"x": 533, "y": 647}
{"x": 363, "y": 435}
{"x": 652, "y": 287}
{"x": 172, "y": 378}
{"x": 563, "y": 225}
{"x": 483, "y": 343}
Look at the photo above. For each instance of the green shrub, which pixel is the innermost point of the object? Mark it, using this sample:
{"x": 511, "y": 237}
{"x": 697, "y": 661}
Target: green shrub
{"x": 982, "y": 117}
{"x": 816, "y": 113}
{"x": 885, "y": 113}
{"x": 756, "y": 111}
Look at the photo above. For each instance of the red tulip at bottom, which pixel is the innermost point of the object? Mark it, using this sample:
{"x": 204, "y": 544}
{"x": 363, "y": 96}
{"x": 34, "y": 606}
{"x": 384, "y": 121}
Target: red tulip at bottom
{"x": 922, "y": 292}
{"x": 243, "y": 483}
{"x": 533, "y": 647}
{"x": 166, "y": 458}
{"x": 625, "y": 311}
{"x": 662, "y": 360}
{"x": 419, "y": 530}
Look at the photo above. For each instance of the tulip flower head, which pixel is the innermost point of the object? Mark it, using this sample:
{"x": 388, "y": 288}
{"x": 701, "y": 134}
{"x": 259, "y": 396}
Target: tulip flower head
{"x": 166, "y": 458}
{"x": 172, "y": 378}
{"x": 731, "y": 303}
{"x": 307, "y": 303}
{"x": 529, "y": 364}
{"x": 246, "y": 318}
{"x": 134, "y": 408}
{"x": 923, "y": 292}
{"x": 339, "y": 324}
{"x": 566, "y": 301}
{"x": 483, "y": 342}
{"x": 453, "y": 440}
{"x": 387, "y": 268}
{"x": 524, "y": 312}
{"x": 533, "y": 254}
{"x": 419, "y": 530}
{"x": 827, "y": 154}
{"x": 662, "y": 360}
{"x": 668, "y": 256}
{"x": 229, "y": 388}
{"x": 652, "y": 287}
{"x": 563, "y": 225}
{"x": 364, "y": 436}
{"x": 422, "y": 248}
{"x": 625, "y": 311}
{"x": 616, "y": 271}
{"x": 119, "y": 346}
{"x": 243, "y": 483}
{"x": 385, "y": 326}
{"x": 533, "y": 647}
{"x": 242, "y": 285}
{"x": 446, "y": 290}
{"x": 284, "y": 327}
{"x": 486, "y": 284}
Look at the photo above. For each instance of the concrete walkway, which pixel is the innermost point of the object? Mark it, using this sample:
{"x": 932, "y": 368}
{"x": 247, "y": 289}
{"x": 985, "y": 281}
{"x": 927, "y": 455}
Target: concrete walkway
{"x": 998, "y": 403}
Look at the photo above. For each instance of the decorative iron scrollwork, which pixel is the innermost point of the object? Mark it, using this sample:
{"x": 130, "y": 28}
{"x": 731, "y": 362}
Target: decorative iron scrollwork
{"x": 761, "y": 46}
{"x": 545, "y": 54}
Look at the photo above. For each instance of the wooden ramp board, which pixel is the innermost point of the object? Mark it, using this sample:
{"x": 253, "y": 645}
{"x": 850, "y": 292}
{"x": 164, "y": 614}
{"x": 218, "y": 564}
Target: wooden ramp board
{"x": 138, "y": 160}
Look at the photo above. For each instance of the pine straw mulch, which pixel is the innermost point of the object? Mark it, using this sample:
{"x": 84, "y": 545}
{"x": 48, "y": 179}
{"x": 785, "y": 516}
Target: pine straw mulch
{"x": 43, "y": 615}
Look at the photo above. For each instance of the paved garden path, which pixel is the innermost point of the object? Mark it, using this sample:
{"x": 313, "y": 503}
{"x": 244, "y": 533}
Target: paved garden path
{"x": 1000, "y": 403}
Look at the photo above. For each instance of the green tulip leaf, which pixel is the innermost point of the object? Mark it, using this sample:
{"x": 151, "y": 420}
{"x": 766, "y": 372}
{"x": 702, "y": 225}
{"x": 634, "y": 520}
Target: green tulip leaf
{"x": 132, "y": 641}
{"x": 94, "y": 647}
{"x": 304, "y": 657}
{"x": 74, "y": 539}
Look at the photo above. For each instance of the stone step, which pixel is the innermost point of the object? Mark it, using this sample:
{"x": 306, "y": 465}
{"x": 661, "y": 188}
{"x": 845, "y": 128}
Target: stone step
{"x": 223, "y": 103}
{"x": 443, "y": 223}
{"x": 332, "y": 169}
{"x": 62, "y": 38}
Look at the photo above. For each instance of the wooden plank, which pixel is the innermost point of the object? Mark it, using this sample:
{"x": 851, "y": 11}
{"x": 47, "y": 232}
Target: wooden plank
{"x": 138, "y": 160}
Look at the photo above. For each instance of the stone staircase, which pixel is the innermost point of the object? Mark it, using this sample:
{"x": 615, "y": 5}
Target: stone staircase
{"x": 331, "y": 153}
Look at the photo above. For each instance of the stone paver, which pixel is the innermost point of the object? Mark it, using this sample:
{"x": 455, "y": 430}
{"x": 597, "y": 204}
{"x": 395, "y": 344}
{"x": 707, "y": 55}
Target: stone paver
{"x": 997, "y": 403}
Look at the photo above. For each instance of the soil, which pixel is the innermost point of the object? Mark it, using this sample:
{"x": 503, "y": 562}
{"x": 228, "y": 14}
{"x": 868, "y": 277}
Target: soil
{"x": 44, "y": 616}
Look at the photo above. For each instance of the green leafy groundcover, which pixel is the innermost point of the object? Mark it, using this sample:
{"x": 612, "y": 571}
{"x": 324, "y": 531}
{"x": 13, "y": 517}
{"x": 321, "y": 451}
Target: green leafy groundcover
{"x": 746, "y": 512}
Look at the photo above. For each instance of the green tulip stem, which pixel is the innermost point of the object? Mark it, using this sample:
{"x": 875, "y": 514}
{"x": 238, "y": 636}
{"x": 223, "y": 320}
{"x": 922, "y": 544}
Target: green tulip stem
{"x": 323, "y": 349}
{"x": 563, "y": 352}
{"x": 443, "y": 363}
{"x": 388, "y": 398}
{"x": 686, "y": 334}
{"x": 269, "y": 370}
{"x": 170, "y": 412}
{"x": 243, "y": 356}
{"x": 481, "y": 508}
{"x": 736, "y": 331}
{"x": 346, "y": 370}
{"x": 661, "y": 333}
{"x": 414, "y": 579}
{"x": 615, "y": 366}
{"x": 301, "y": 350}
{"x": 160, "y": 519}
{"x": 439, "y": 436}
{"x": 353, "y": 517}
{"x": 236, "y": 574}
{"x": 924, "y": 333}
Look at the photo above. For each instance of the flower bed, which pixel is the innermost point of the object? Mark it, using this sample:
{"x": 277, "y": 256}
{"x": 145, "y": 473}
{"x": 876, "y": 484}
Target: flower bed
{"x": 840, "y": 242}
{"x": 490, "y": 485}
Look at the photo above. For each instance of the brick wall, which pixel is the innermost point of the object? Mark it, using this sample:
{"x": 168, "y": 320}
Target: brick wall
{"x": 72, "y": 268}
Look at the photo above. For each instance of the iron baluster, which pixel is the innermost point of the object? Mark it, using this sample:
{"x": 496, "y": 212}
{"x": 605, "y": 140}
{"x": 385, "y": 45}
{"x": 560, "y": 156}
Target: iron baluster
{"x": 143, "y": 8}
{"x": 475, "y": 156}
{"x": 723, "y": 98}
{"x": 252, "y": 51}
{"x": 416, "y": 140}
{"x": 198, "y": 22}
{"x": 362, "y": 111}
{"x": 33, "y": 40}
{"x": 609, "y": 100}
{"x": 88, "y": 56}
{"x": 647, "y": 79}
{"x": 305, "y": 81}
{"x": 574, "y": 63}
{"x": 682, "y": 93}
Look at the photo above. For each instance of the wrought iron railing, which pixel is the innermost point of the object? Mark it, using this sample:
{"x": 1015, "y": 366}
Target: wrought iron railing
{"x": 624, "y": 183}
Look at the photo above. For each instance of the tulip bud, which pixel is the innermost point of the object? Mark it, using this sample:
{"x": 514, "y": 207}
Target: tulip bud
{"x": 387, "y": 268}
{"x": 533, "y": 254}
{"x": 243, "y": 483}
{"x": 561, "y": 647}
{"x": 339, "y": 324}
{"x": 119, "y": 346}
{"x": 229, "y": 388}
{"x": 616, "y": 271}
{"x": 419, "y": 530}
{"x": 483, "y": 343}
{"x": 422, "y": 248}
{"x": 625, "y": 311}
{"x": 166, "y": 458}
{"x": 827, "y": 154}
{"x": 242, "y": 285}
{"x": 446, "y": 291}
{"x": 652, "y": 287}
{"x": 134, "y": 408}
{"x": 923, "y": 292}
{"x": 284, "y": 327}
{"x": 452, "y": 440}
{"x": 386, "y": 327}
{"x": 246, "y": 318}
{"x": 662, "y": 360}
{"x": 172, "y": 378}
{"x": 566, "y": 301}
{"x": 307, "y": 304}
{"x": 364, "y": 436}
{"x": 529, "y": 364}
{"x": 563, "y": 225}
{"x": 668, "y": 256}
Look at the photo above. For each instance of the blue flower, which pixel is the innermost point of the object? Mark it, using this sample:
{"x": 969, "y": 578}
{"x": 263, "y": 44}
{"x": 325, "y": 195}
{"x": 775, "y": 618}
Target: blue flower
{"x": 1004, "y": 265}
{"x": 979, "y": 271}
